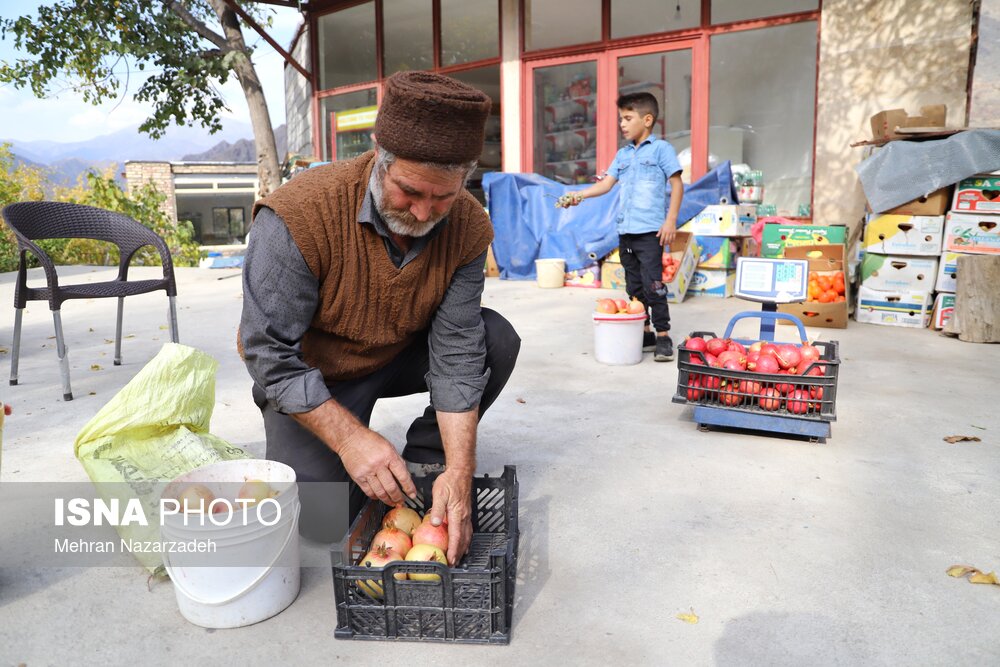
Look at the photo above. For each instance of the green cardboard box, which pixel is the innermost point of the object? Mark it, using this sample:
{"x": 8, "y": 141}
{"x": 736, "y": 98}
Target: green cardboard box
{"x": 778, "y": 235}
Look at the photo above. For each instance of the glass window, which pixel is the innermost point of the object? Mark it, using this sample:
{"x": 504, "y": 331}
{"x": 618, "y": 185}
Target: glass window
{"x": 667, "y": 76}
{"x": 408, "y": 34}
{"x": 551, "y": 23}
{"x": 349, "y": 119}
{"x": 565, "y": 122}
{"x": 347, "y": 46}
{"x": 762, "y": 108}
{"x": 470, "y": 31}
{"x": 726, "y": 11}
{"x": 486, "y": 79}
{"x": 644, "y": 17}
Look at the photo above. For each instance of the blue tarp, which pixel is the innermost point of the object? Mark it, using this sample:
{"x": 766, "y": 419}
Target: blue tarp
{"x": 528, "y": 226}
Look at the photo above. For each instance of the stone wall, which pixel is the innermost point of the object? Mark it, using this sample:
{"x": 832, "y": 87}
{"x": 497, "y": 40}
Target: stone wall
{"x": 159, "y": 174}
{"x": 874, "y": 55}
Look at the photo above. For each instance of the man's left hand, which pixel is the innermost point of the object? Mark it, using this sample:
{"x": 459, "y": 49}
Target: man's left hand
{"x": 666, "y": 234}
{"x": 452, "y": 501}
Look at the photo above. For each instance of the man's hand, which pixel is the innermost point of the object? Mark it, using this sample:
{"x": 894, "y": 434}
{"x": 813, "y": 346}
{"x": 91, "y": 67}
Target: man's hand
{"x": 373, "y": 463}
{"x": 452, "y": 500}
{"x": 667, "y": 232}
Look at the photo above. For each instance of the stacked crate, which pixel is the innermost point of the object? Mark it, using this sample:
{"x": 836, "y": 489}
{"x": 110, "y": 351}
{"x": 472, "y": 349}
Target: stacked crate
{"x": 719, "y": 232}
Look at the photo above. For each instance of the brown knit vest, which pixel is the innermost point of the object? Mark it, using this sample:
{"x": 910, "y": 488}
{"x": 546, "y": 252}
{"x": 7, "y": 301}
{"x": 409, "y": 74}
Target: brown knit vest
{"x": 369, "y": 310}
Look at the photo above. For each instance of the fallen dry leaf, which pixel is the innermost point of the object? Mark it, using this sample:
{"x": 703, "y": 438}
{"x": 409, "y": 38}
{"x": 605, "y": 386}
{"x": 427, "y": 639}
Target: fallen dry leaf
{"x": 691, "y": 618}
{"x": 980, "y": 578}
{"x": 108, "y": 341}
{"x": 520, "y": 400}
{"x": 96, "y": 367}
{"x": 960, "y": 570}
{"x": 952, "y": 439}
{"x": 163, "y": 326}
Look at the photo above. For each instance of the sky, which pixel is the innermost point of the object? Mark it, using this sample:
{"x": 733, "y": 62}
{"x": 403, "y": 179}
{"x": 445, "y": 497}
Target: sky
{"x": 65, "y": 117}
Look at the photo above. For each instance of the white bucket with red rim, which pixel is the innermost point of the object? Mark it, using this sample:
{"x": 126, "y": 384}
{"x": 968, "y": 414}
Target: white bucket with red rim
{"x": 618, "y": 338}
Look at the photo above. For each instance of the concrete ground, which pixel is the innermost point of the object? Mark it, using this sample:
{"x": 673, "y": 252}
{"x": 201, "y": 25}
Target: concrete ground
{"x": 789, "y": 552}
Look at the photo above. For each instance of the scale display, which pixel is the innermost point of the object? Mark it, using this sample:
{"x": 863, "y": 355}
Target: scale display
{"x": 772, "y": 280}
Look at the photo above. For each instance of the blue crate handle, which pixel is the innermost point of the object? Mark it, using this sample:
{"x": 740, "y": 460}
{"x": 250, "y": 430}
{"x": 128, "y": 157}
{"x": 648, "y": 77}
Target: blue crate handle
{"x": 767, "y": 322}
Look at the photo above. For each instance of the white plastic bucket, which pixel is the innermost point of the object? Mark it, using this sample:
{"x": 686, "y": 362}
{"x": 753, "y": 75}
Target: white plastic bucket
{"x": 219, "y": 595}
{"x": 550, "y": 272}
{"x": 618, "y": 338}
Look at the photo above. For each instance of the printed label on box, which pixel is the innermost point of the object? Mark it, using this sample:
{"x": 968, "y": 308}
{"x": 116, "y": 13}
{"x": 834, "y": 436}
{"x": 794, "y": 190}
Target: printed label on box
{"x": 904, "y": 234}
{"x": 717, "y": 252}
{"x": 898, "y": 309}
{"x": 979, "y": 194}
{"x": 722, "y": 220}
{"x": 947, "y": 278}
{"x": 777, "y": 236}
{"x": 944, "y": 308}
{"x": 975, "y": 234}
{"x": 713, "y": 282}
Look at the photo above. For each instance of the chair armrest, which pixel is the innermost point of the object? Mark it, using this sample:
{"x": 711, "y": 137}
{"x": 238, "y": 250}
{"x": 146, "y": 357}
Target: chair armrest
{"x": 26, "y": 245}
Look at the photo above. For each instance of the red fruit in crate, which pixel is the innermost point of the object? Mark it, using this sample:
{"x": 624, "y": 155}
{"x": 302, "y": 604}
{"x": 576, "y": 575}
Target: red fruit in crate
{"x": 737, "y": 347}
{"x": 798, "y": 402}
{"x": 752, "y": 360}
{"x": 712, "y": 360}
{"x": 809, "y": 354}
{"x": 730, "y": 396}
{"x": 717, "y": 346}
{"x": 621, "y": 304}
{"x": 428, "y": 533}
{"x": 732, "y": 365}
{"x": 733, "y": 355}
{"x": 784, "y": 387}
{"x": 766, "y": 364}
{"x": 750, "y": 387}
{"x": 694, "y": 388}
{"x": 606, "y": 306}
{"x": 711, "y": 383}
{"x": 635, "y": 307}
{"x": 393, "y": 538}
{"x": 788, "y": 356}
{"x": 756, "y": 347}
{"x": 768, "y": 349}
{"x": 816, "y": 392}
{"x": 402, "y": 517}
{"x": 695, "y": 343}
{"x": 769, "y": 399}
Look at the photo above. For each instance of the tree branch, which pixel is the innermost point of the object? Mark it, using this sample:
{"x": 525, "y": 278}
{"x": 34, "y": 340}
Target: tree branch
{"x": 197, "y": 25}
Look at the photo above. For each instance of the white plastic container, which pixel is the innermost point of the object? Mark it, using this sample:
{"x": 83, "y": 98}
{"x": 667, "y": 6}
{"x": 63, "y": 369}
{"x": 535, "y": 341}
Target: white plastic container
{"x": 212, "y": 590}
{"x": 550, "y": 272}
{"x": 618, "y": 338}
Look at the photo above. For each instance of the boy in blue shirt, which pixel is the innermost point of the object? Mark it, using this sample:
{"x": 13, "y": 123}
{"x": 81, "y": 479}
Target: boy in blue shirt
{"x": 648, "y": 169}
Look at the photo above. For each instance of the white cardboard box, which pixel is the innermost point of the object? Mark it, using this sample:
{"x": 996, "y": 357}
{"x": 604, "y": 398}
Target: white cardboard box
{"x": 723, "y": 220}
{"x": 973, "y": 234}
{"x": 904, "y": 234}
{"x": 944, "y": 307}
{"x": 897, "y": 309}
{"x": 948, "y": 271}
{"x": 899, "y": 273}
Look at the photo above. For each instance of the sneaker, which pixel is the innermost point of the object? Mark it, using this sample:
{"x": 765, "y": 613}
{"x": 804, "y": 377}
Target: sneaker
{"x": 648, "y": 341}
{"x": 424, "y": 469}
{"x": 664, "y": 349}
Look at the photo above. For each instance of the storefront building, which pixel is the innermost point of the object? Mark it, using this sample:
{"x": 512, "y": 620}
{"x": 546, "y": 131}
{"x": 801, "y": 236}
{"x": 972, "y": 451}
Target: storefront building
{"x": 750, "y": 81}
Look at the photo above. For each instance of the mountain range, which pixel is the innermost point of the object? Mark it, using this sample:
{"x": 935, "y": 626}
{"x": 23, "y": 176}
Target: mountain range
{"x": 66, "y": 161}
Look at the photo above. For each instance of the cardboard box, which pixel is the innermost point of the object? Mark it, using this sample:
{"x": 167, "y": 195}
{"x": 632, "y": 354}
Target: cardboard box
{"x": 777, "y": 236}
{"x": 947, "y": 278}
{"x": 821, "y": 258}
{"x": 884, "y": 123}
{"x": 713, "y": 282}
{"x": 898, "y": 273}
{"x": 684, "y": 249}
{"x": 973, "y": 234}
{"x": 612, "y": 275}
{"x": 723, "y": 220}
{"x": 588, "y": 276}
{"x": 717, "y": 252}
{"x": 936, "y": 203}
{"x": 978, "y": 194}
{"x": 944, "y": 308}
{"x": 904, "y": 234}
{"x": 897, "y": 309}
{"x": 749, "y": 247}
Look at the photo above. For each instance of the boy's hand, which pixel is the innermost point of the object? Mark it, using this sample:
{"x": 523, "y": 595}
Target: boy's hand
{"x": 569, "y": 199}
{"x": 667, "y": 233}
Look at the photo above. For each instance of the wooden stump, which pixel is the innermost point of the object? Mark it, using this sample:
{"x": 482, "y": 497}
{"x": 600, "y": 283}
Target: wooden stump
{"x": 977, "y": 299}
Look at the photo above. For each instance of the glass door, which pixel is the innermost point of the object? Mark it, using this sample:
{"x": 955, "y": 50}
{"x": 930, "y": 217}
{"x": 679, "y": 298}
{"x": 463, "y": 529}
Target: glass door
{"x": 668, "y": 76}
{"x": 563, "y": 137}
{"x": 347, "y": 122}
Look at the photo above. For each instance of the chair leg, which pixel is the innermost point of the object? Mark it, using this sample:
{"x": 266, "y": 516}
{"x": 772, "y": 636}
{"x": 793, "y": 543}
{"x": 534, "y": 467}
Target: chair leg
{"x": 63, "y": 356}
{"x": 16, "y": 352}
{"x": 173, "y": 320}
{"x": 118, "y": 332}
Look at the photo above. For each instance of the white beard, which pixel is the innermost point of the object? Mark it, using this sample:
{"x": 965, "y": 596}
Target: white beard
{"x": 402, "y": 223}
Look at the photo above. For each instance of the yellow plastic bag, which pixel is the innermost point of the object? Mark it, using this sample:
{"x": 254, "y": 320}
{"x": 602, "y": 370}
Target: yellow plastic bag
{"x": 153, "y": 430}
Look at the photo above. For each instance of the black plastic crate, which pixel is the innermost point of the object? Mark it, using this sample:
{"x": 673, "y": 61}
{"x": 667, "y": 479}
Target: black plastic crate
{"x": 720, "y": 388}
{"x": 473, "y": 601}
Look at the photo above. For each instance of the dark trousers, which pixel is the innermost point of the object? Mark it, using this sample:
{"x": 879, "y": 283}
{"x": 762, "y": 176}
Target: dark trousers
{"x": 642, "y": 258}
{"x": 330, "y": 499}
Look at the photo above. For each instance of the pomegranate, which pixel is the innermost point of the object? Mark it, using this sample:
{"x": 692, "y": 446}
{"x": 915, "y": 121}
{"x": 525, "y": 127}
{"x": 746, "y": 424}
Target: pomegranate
{"x": 729, "y": 395}
{"x": 402, "y": 517}
{"x": 606, "y": 306}
{"x": 788, "y": 356}
{"x": 770, "y": 399}
{"x": 712, "y": 360}
{"x": 378, "y": 557}
{"x": 784, "y": 388}
{"x": 695, "y": 344}
{"x": 816, "y": 370}
{"x": 816, "y": 392}
{"x": 195, "y": 498}
{"x": 732, "y": 365}
{"x": 711, "y": 384}
{"x": 750, "y": 387}
{"x": 622, "y": 305}
{"x": 768, "y": 349}
{"x": 756, "y": 346}
{"x": 809, "y": 354}
{"x": 716, "y": 346}
{"x": 393, "y": 538}
{"x": 426, "y": 552}
{"x": 733, "y": 355}
{"x": 737, "y": 347}
{"x": 635, "y": 307}
{"x": 255, "y": 490}
{"x": 766, "y": 364}
{"x": 798, "y": 402}
{"x": 752, "y": 360}
{"x": 428, "y": 533}
{"x": 694, "y": 388}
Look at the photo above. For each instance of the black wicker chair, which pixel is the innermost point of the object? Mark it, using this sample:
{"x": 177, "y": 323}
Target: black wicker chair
{"x": 31, "y": 221}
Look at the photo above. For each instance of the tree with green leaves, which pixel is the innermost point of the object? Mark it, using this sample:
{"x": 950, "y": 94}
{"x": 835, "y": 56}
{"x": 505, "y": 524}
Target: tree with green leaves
{"x": 189, "y": 46}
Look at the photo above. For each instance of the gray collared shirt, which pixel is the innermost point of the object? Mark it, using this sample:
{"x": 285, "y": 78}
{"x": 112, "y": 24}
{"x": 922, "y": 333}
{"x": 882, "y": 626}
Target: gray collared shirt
{"x": 280, "y": 298}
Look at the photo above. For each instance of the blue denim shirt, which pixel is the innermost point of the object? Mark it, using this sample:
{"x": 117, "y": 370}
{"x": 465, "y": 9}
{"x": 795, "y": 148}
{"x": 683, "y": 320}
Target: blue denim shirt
{"x": 642, "y": 173}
